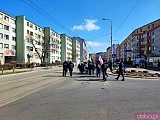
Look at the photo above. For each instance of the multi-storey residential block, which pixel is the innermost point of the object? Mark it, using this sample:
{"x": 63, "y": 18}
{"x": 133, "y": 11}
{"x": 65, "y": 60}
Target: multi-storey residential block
{"x": 25, "y": 41}
{"x": 53, "y": 45}
{"x": 84, "y": 55}
{"x": 66, "y": 47}
{"x": 143, "y": 41}
{"x": 75, "y": 50}
{"x": 7, "y": 38}
{"x": 29, "y": 39}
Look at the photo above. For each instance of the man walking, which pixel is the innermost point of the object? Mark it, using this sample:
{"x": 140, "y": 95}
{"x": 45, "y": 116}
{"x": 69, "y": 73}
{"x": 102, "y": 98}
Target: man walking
{"x": 70, "y": 66}
{"x": 120, "y": 71}
{"x": 65, "y": 67}
{"x": 104, "y": 70}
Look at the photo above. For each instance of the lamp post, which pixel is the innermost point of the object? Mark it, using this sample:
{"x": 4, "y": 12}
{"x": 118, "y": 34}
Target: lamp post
{"x": 111, "y": 39}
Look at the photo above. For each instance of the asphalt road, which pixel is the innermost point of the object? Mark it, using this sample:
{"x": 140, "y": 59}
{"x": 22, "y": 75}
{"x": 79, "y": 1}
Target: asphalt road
{"x": 86, "y": 97}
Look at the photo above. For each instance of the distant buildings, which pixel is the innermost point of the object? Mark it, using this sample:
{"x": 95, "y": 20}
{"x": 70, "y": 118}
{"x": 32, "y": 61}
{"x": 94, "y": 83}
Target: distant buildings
{"x": 23, "y": 41}
{"x": 143, "y": 42}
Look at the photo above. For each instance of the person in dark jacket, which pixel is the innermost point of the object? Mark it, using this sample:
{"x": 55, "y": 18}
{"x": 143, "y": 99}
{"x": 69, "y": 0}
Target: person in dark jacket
{"x": 98, "y": 69}
{"x": 104, "y": 70}
{"x": 65, "y": 67}
{"x": 89, "y": 66}
{"x": 120, "y": 70}
{"x": 70, "y": 66}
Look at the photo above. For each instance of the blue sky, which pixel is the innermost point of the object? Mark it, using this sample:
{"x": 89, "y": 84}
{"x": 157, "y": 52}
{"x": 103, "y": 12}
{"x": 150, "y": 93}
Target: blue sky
{"x": 83, "y": 18}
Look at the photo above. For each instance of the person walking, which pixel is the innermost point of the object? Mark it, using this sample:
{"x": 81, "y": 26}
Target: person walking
{"x": 89, "y": 66}
{"x": 104, "y": 70}
{"x": 98, "y": 69}
{"x": 120, "y": 71}
{"x": 70, "y": 66}
{"x": 110, "y": 66}
{"x": 65, "y": 67}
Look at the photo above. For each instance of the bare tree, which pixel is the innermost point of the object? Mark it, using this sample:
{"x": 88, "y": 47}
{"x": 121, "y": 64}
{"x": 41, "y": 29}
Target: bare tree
{"x": 45, "y": 47}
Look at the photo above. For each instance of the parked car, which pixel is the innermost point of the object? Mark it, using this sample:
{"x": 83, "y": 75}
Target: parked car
{"x": 138, "y": 62}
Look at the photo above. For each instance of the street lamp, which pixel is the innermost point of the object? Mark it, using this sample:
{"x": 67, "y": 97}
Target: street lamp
{"x": 111, "y": 39}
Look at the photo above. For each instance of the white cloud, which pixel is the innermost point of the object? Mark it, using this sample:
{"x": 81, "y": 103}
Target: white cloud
{"x": 89, "y": 25}
{"x": 95, "y": 44}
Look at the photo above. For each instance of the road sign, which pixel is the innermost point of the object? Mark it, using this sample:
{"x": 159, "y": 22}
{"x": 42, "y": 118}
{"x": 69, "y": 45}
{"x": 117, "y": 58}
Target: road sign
{"x": 128, "y": 50}
{"x": 113, "y": 55}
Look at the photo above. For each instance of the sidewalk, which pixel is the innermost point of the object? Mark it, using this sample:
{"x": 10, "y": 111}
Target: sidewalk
{"x": 26, "y": 69}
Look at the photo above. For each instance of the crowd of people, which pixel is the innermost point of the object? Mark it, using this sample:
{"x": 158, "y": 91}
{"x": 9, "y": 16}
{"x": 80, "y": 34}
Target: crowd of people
{"x": 90, "y": 68}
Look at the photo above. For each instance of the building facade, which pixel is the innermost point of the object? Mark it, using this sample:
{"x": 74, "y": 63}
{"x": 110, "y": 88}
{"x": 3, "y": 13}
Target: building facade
{"x": 53, "y": 45}
{"x": 84, "y": 55}
{"x": 143, "y": 42}
{"x": 66, "y": 47}
{"x": 75, "y": 50}
{"x": 23, "y": 41}
{"x": 29, "y": 38}
{"x": 7, "y": 38}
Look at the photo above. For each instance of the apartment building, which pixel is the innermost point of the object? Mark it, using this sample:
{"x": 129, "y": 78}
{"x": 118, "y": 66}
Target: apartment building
{"x": 66, "y": 47}
{"x": 7, "y": 38}
{"x": 75, "y": 50}
{"x": 30, "y": 38}
{"x": 23, "y": 41}
{"x": 143, "y": 42}
{"x": 53, "y": 45}
{"x": 84, "y": 55}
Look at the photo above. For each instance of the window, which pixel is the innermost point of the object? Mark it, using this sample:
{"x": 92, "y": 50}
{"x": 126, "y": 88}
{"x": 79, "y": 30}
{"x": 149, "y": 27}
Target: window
{"x": 6, "y": 27}
{"x": 31, "y": 33}
{"x": 27, "y": 31}
{"x": 35, "y": 27}
{"x": 148, "y": 26}
{"x": 31, "y": 25}
{"x": 39, "y": 36}
{"x": 1, "y": 16}
{"x": 141, "y": 30}
{"x": 6, "y": 37}
{"x": 1, "y": 55}
{"x": 12, "y": 21}
{"x": 153, "y": 25}
{"x": 13, "y": 47}
{"x": 1, "y": 26}
{"x": 149, "y": 41}
{"x": 14, "y": 30}
{"x": 145, "y": 39}
{"x": 6, "y": 46}
{"x": 6, "y": 18}
{"x": 1, "y": 45}
{"x": 1, "y": 35}
{"x": 149, "y": 48}
{"x": 145, "y": 32}
{"x": 27, "y": 40}
{"x": 13, "y": 38}
{"x": 153, "y": 40}
{"x": 153, "y": 32}
{"x": 31, "y": 48}
{"x": 149, "y": 34}
{"x": 154, "y": 47}
{"x": 27, "y": 23}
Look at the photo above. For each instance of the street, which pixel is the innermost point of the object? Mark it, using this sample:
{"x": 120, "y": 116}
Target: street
{"x": 81, "y": 97}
